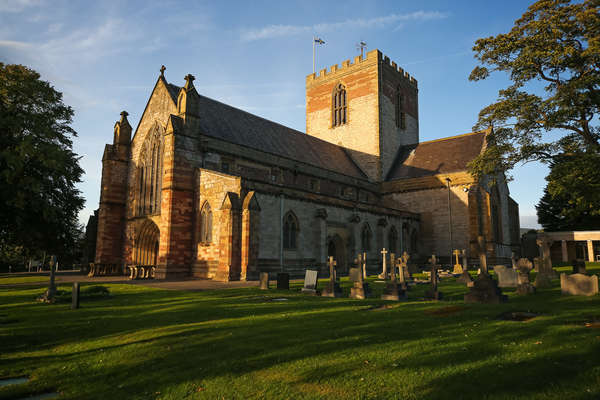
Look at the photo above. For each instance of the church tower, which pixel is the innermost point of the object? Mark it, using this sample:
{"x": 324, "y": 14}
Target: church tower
{"x": 370, "y": 107}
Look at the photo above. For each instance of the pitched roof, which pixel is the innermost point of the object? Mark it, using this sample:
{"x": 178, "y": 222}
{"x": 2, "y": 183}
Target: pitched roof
{"x": 233, "y": 125}
{"x": 440, "y": 156}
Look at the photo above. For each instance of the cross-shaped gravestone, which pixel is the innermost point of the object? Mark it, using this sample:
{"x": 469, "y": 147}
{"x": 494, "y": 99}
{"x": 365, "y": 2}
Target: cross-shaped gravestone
{"x": 333, "y": 288}
{"x": 482, "y": 254}
{"x": 384, "y": 274}
{"x": 433, "y": 292}
{"x": 401, "y": 265}
{"x": 457, "y": 267}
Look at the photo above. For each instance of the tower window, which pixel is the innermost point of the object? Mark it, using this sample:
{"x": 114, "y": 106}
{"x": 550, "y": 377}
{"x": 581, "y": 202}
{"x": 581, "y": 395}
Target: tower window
{"x": 400, "y": 114}
{"x": 340, "y": 109}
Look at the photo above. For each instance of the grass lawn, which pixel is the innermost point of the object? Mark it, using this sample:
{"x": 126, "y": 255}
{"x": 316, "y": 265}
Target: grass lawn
{"x": 145, "y": 343}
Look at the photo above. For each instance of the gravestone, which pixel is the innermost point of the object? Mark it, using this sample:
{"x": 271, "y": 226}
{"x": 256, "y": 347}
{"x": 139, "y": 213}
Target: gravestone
{"x": 310, "y": 281}
{"x": 523, "y": 285}
{"x": 465, "y": 278}
{"x": 75, "y": 296}
{"x": 457, "y": 266}
{"x": 392, "y": 291}
{"x": 481, "y": 249}
{"x": 507, "y": 277}
{"x": 536, "y": 264}
{"x": 403, "y": 275}
{"x": 283, "y": 281}
{"x": 264, "y": 280}
{"x": 360, "y": 289}
{"x": 485, "y": 290}
{"x": 48, "y": 296}
{"x": 579, "y": 267}
{"x": 333, "y": 287}
{"x": 433, "y": 292}
{"x": 384, "y": 273}
{"x": 545, "y": 272}
{"x": 513, "y": 259}
{"x": 464, "y": 260}
{"x": 364, "y": 264}
{"x": 579, "y": 284}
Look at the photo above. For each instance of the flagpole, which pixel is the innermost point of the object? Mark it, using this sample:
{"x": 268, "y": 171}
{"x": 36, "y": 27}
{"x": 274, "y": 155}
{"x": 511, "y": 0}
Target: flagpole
{"x": 314, "y": 40}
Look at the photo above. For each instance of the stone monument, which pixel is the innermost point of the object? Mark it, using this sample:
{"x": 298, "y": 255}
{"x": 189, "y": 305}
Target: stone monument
{"x": 433, "y": 292}
{"x": 458, "y": 269}
{"x": 310, "y": 282}
{"x": 48, "y": 296}
{"x": 264, "y": 280}
{"x": 384, "y": 273}
{"x": 545, "y": 272}
{"x": 523, "y": 285}
{"x": 579, "y": 284}
{"x": 507, "y": 277}
{"x": 75, "y": 296}
{"x": 360, "y": 289}
{"x": 484, "y": 288}
{"x": 392, "y": 291}
{"x": 333, "y": 287}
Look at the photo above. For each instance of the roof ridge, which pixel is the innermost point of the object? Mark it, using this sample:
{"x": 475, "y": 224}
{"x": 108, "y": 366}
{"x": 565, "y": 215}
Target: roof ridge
{"x": 454, "y": 137}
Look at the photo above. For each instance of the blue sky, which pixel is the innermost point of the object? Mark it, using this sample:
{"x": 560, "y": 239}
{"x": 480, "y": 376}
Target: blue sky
{"x": 105, "y": 57}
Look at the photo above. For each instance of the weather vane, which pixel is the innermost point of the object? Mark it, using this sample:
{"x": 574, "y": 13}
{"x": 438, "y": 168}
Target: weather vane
{"x": 362, "y": 45}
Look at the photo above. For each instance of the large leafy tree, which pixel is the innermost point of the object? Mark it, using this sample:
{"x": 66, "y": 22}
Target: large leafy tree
{"x": 38, "y": 168}
{"x": 555, "y": 43}
{"x": 571, "y": 199}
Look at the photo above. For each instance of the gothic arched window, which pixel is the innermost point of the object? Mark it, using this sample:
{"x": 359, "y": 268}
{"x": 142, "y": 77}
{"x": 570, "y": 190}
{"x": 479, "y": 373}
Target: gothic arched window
{"x": 206, "y": 224}
{"x": 290, "y": 231}
{"x": 149, "y": 173}
{"x": 400, "y": 115}
{"x": 392, "y": 240}
{"x": 365, "y": 238}
{"x": 339, "y": 106}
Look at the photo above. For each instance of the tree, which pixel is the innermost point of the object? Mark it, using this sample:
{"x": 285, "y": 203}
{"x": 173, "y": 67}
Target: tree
{"x": 38, "y": 168}
{"x": 558, "y": 44}
{"x": 571, "y": 199}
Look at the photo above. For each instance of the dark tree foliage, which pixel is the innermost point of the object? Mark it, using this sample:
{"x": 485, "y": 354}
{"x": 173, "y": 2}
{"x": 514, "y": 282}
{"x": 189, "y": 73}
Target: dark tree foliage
{"x": 571, "y": 199}
{"x": 38, "y": 168}
{"x": 555, "y": 43}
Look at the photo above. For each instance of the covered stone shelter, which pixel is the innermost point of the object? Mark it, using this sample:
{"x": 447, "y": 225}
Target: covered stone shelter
{"x": 573, "y": 245}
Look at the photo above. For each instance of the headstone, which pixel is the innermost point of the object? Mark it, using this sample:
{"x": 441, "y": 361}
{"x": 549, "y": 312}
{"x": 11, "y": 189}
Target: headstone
{"x": 310, "y": 281}
{"x": 364, "y": 264}
{"x": 433, "y": 292}
{"x": 392, "y": 291}
{"x": 75, "y": 296}
{"x": 513, "y": 259}
{"x": 465, "y": 278}
{"x": 536, "y": 264}
{"x": 283, "y": 281}
{"x": 579, "y": 284}
{"x": 524, "y": 287}
{"x": 457, "y": 266}
{"x": 384, "y": 274}
{"x": 360, "y": 289}
{"x": 482, "y": 254}
{"x": 579, "y": 267}
{"x": 403, "y": 268}
{"x": 465, "y": 262}
{"x": 333, "y": 287}
{"x": 545, "y": 272}
{"x": 485, "y": 290}
{"x": 48, "y": 296}
{"x": 264, "y": 280}
{"x": 507, "y": 277}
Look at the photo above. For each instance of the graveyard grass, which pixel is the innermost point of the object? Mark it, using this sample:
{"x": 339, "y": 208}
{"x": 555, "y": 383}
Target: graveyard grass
{"x": 142, "y": 343}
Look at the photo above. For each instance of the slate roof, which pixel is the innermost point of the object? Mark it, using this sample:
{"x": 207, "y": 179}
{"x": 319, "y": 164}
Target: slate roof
{"x": 236, "y": 126}
{"x": 440, "y": 156}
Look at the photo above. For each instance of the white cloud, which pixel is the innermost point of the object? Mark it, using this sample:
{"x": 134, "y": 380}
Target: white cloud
{"x": 15, "y": 45}
{"x": 16, "y": 6}
{"x": 272, "y": 31}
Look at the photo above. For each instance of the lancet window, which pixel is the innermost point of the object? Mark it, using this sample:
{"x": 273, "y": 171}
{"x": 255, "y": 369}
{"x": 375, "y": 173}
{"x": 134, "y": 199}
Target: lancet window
{"x": 290, "y": 231}
{"x": 206, "y": 224}
{"x": 340, "y": 109}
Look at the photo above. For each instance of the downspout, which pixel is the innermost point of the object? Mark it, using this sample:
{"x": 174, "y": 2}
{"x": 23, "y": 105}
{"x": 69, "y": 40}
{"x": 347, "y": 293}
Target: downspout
{"x": 281, "y": 231}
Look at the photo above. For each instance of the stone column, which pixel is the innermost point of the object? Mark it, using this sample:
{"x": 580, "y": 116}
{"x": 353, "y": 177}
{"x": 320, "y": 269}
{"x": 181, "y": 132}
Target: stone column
{"x": 590, "y": 246}
{"x": 565, "y": 253}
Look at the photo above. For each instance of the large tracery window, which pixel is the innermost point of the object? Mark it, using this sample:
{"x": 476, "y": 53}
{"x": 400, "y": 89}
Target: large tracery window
{"x": 290, "y": 231}
{"x": 149, "y": 174}
{"x": 340, "y": 109}
{"x": 206, "y": 224}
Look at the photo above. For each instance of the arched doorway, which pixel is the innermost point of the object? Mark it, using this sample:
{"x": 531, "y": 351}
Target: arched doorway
{"x": 337, "y": 250}
{"x": 146, "y": 246}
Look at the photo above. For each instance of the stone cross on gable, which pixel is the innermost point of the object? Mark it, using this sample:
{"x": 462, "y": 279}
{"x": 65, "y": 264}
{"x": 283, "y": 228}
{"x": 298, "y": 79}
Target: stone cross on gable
{"x": 162, "y": 70}
{"x": 189, "y": 81}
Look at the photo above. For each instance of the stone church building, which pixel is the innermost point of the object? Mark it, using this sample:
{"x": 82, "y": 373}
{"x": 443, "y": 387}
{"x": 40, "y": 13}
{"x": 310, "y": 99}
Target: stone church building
{"x": 202, "y": 189}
